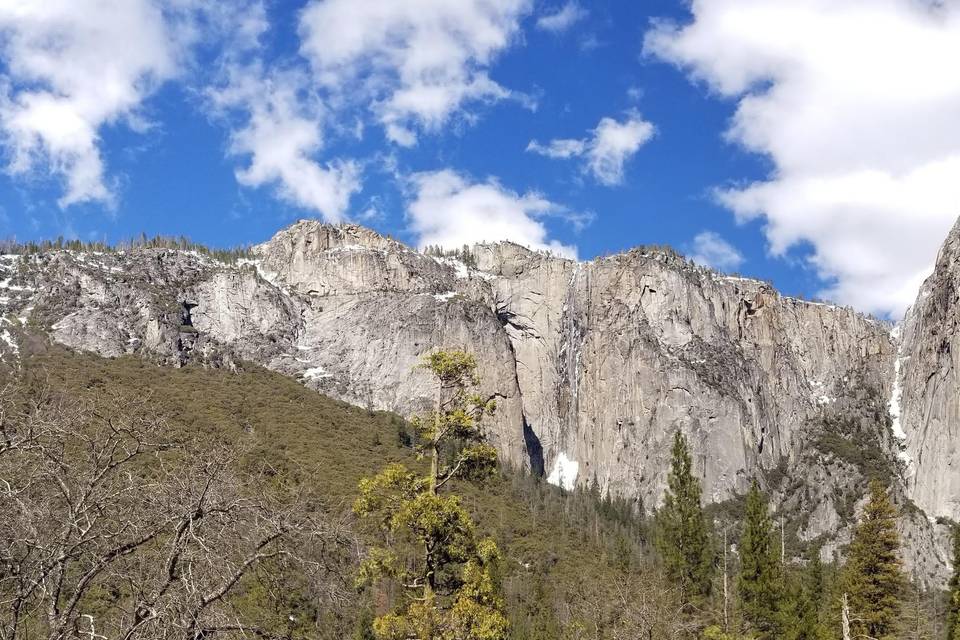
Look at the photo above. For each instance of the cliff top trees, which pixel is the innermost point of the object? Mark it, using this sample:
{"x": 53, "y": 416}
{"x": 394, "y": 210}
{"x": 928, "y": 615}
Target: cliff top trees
{"x": 446, "y": 574}
{"x": 682, "y": 535}
{"x": 873, "y": 580}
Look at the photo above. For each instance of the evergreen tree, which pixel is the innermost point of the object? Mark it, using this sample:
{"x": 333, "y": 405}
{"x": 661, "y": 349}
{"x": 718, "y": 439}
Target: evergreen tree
{"x": 811, "y": 597}
{"x": 873, "y": 580}
{"x": 760, "y": 583}
{"x": 953, "y": 620}
{"x": 447, "y": 575}
{"x": 682, "y": 538}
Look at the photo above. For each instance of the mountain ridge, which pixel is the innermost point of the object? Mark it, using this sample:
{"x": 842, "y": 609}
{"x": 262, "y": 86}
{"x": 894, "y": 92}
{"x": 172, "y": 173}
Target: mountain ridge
{"x": 595, "y": 364}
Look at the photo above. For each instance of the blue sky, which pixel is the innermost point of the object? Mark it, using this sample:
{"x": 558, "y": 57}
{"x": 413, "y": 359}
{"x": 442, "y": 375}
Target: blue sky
{"x": 811, "y": 143}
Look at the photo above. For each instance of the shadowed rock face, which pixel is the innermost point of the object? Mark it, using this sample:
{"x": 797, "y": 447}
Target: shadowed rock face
{"x": 595, "y": 365}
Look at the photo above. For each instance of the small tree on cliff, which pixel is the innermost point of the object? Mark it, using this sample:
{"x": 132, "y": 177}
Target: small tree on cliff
{"x": 873, "y": 580}
{"x": 446, "y": 575}
{"x": 682, "y": 537}
{"x": 761, "y": 579}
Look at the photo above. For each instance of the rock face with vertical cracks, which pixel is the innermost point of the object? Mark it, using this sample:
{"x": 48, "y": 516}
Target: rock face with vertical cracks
{"x": 927, "y": 387}
{"x": 594, "y": 365}
{"x": 613, "y": 356}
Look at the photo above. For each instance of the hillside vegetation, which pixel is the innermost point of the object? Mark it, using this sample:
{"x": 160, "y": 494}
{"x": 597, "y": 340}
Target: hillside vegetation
{"x": 556, "y": 547}
{"x": 155, "y": 502}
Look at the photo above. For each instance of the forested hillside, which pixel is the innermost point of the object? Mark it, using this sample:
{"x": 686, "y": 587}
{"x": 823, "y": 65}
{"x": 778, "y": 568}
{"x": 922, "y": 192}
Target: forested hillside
{"x": 146, "y": 501}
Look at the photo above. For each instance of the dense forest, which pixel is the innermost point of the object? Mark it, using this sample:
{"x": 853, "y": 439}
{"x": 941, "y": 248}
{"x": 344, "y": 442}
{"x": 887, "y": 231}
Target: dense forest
{"x": 150, "y": 502}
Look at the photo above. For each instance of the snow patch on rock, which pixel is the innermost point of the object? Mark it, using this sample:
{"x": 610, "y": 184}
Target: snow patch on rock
{"x": 894, "y": 403}
{"x": 7, "y": 338}
{"x": 564, "y": 474}
{"x": 315, "y": 373}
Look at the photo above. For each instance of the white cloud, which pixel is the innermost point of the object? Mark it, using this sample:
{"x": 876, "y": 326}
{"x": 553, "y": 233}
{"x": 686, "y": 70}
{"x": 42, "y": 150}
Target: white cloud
{"x": 564, "y": 148}
{"x": 279, "y": 125}
{"x": 71, "y": 68}
{"x": 449, "y": 210}
{"x": 282, "y": 133}
{"x": 857, "y": 103}
{"x": 607, "y": 149}
{"x": 711, "y": 250}
{"x": 562, "y": 19}
{"x": 417, "y": 63}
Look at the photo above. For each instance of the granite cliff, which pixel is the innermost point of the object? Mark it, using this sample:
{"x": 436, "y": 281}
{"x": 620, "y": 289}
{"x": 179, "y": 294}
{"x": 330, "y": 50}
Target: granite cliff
{"x": 594, "y": 364}
{"x": 926, "y": 403}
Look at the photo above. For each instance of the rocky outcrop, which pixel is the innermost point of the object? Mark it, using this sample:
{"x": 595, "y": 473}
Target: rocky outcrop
{"x": 595, "y": 365}
{"x": 927, "y": 392}
{"x": 614, "y": 355}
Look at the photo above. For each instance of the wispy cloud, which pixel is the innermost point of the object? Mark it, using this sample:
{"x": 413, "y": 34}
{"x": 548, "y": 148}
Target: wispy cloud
{"x": 607, "y": 149}
{"x": 562, "y": 18}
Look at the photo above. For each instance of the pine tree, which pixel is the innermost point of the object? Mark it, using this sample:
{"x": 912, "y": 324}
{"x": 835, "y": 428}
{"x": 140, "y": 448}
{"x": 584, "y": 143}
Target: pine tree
{"x": 873, "y": 579}
{"x": 447, "y": 575}
{"x": 682, "y": 538}
{"x": 811, "y": 597}
{"x": 953, "y": 620}
{"x": 760, "y": 583}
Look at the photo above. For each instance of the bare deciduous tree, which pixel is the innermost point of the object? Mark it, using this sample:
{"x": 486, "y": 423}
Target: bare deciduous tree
{"x": 113, "y": 528}
{"x": 636, "y": 607}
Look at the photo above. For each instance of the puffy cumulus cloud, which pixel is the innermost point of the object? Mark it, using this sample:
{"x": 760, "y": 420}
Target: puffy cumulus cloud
{"x": 605, "y": 151}
{"x": 857, "y": 104}
{"x": 278, "y": 125}
{"x": 70, "y": 68}
{"x": 281, "y": 131}
{"x": 449, "y": 210}
{"x": 711, "y": 250}
{"x": 418, "y": 62}
{"x": 562, "y": 19}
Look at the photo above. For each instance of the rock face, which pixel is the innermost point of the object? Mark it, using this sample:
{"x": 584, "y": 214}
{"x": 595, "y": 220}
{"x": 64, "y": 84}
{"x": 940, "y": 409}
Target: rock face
{"x": 595, "y": 365}
{"x": 615, "y": 355}
{"x": 927, "y": 388}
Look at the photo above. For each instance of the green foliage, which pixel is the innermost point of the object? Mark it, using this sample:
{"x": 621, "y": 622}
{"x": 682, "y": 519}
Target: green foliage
{"x": 953, "y": 618}
{"x": 432, "y": 553}
{"x": 810, "y": 601}
{"x": 856, "y": 434}
{"x": 873, "y": 579}
{"x": 761, "y": 580}
{"x": 573, "y": 564}
{"x": 553, "y": 543}
{"x": 683, "y": 539}
{"x": 715, "y": 632}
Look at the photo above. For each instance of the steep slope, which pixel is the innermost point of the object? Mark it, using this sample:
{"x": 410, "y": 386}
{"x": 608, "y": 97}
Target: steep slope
{"x": 616, "y": 354}
{"x": 927, "y": 393}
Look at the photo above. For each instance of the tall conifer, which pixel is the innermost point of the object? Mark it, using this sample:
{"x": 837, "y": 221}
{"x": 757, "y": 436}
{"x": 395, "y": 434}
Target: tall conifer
{"x": 873, "y": 579}
{"x": 761, "y": 583}
{"x": 682, "y": 535}
{"x": 812, "y": 594}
